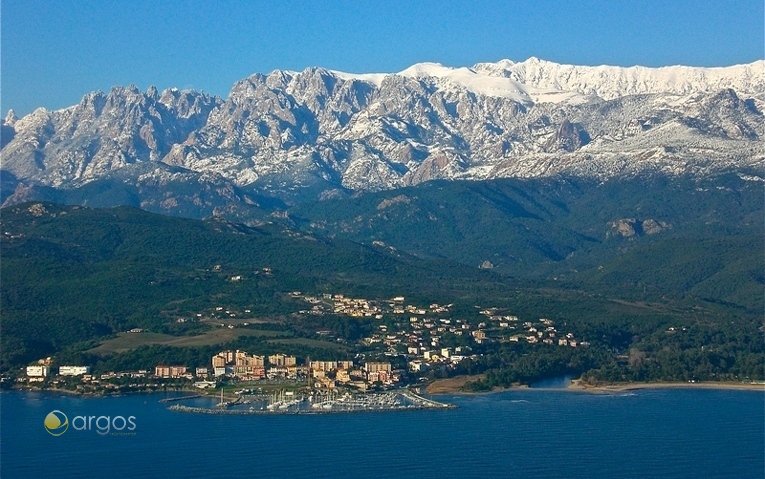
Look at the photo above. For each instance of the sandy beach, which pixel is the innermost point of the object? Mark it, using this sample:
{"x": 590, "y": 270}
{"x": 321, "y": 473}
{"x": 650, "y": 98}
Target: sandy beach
{"x": 454, "y": 386}
{"x": 577, "y": 385}
{"x": 450, "y": 385}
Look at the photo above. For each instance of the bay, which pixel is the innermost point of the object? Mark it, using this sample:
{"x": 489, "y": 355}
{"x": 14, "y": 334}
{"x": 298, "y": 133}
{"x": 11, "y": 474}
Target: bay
{"x": 532, "y": 433}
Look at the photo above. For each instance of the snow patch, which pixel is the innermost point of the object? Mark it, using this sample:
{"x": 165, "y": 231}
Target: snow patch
{"x": 374, "y": 78}
{"x": 491, "y": 85}
{"x": 609, "y": 82}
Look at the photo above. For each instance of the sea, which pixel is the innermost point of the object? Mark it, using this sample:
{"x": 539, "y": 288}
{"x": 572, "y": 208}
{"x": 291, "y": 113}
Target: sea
{"x": 527, "y": 433}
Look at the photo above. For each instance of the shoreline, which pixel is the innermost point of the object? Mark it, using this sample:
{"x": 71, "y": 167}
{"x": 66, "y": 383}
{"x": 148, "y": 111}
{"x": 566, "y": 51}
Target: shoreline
{"x": 454, "y": 385}
{"x": 100, "y": 394}
{"x": 577, "y": 385}
{"x": 451, "y": 385}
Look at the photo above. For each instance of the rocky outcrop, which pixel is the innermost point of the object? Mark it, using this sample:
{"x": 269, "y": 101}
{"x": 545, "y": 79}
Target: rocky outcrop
{"x": 392, "y": 201}
{"x": 630, "y": 227}
{"x": 103, "y": 133}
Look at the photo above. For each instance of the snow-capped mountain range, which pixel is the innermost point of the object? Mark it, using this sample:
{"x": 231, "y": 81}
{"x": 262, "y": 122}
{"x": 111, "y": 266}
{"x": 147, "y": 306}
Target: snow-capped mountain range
{"x": 319, "y": 131}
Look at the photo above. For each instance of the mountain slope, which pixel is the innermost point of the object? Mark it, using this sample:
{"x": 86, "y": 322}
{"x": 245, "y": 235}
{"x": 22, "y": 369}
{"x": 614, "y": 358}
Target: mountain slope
{"x": 610, "y": 82}
{"x": 651, "y": 235}
{"x": 305, "y": 135}
{"x": 74, "y": 274}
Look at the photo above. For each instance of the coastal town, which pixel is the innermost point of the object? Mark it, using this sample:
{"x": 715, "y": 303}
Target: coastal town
{"x": 407, "y": 342}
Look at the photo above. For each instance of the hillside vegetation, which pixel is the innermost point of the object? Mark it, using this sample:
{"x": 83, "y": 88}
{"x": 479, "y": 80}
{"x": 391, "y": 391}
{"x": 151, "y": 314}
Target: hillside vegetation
{"x": 647, "y": 238}
{"x": 613, "y": 263}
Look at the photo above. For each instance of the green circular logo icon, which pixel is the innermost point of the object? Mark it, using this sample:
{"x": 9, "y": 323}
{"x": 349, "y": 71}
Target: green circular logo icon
{"x": 56, "y": 423}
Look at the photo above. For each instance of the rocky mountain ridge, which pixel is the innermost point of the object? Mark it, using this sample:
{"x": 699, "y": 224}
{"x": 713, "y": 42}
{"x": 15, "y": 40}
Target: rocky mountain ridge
{"x": 318, "y": 133}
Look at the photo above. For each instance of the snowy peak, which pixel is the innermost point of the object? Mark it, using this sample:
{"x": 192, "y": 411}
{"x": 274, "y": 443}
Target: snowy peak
{"x": 539, "y": 81}
{"x": 317, "y": 131}
{"x": 469, "y": 80}
{"x": 428, "y": 69}
{"x": 609, "y": 82}
{"x": 11, "y": 118}
{"x": 375, "y": 79}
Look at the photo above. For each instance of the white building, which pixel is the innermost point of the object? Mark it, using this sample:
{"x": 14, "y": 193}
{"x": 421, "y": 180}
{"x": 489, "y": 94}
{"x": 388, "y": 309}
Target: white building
{"x": 73, "y": 370}
{"x": 38, "y": 371}
{"x": 417, "y": 366}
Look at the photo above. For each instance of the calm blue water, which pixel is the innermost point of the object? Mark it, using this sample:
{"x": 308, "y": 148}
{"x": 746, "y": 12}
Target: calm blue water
{"x": 525, "y": 433}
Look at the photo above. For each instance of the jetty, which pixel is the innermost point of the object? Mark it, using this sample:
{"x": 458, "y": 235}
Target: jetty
{"x": 181, "y": 398}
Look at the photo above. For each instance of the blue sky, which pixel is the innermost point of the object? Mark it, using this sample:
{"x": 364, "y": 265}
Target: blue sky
{"x": 53, "y": 52}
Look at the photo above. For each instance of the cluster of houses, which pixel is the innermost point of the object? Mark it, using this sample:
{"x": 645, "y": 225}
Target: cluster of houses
{"x": 330, "y": 303}
{"x": 417, "y": 332}
{"x": 245, "y": 366}
{"x": 319, "y": 374}
{"x": 38, "y": 372}
{"x": 44, "y": 368}
{"x": 239, "y": 364}
{"x": 543, "y": 331}
{"x": 330, "y": 374}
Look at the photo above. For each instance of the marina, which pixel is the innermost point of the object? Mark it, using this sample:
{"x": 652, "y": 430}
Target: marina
{"x": 289, "y": 403}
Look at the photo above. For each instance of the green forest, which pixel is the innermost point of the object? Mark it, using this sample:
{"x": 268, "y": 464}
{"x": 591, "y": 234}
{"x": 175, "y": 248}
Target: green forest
{"x": 683, "y": 304}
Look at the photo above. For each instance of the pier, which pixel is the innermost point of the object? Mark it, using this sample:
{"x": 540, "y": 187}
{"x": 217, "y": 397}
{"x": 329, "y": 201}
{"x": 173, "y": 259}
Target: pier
{"x": 182, "y": 398}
